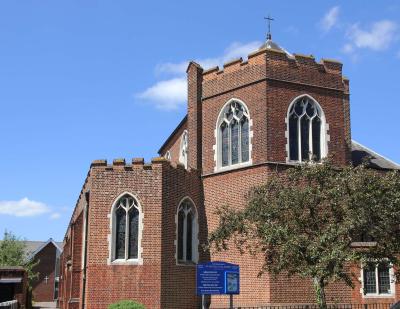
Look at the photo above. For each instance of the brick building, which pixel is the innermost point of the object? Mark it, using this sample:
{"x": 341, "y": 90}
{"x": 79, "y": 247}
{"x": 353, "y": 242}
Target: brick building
{"x": 137, "y": 228}
{"x": 14, "y": 285}
{"x": 46, "y": 254}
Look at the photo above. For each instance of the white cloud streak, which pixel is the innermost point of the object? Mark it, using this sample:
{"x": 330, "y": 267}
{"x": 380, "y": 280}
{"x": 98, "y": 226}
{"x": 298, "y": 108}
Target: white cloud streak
{"x": 23, "y": 208}
{"x": 167, "y": 94}
{"x": 378, "y": 37}
{"x": 55, "y": 216}
{"x": 330, "y": 19}
{"x": 171, "y": 94}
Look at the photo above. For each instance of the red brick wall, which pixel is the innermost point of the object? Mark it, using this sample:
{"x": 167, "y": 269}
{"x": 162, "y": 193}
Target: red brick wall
{"x": 107, "y": 283}
{"x": 178, "y": 281}
{"x": 42, "y": 291}
{"x": 194, "y": 122}
{"x": 70, "y": 286}
{"x": 230, "y": 189}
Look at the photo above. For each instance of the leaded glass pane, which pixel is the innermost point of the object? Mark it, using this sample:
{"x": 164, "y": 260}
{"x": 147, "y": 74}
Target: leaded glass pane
{"x": 384, "y": 278}
{"x": 369, "y": 279}
{"x": 235, "y": 142}
{"x": 310, "y": 109}
{"x": 133, "y": 233}
{"x": 316, "y": 138}
{"x": 293, "y": 137}
{"x": 245, "y": 140}
{"x": 189, "y": 236}
{"x": 120, "y": 218}
{"x": 225, "y": 144}
{"x": 181, "y": 219}
{"x": 305, "y": 135}
{"x": 298, "y": 108}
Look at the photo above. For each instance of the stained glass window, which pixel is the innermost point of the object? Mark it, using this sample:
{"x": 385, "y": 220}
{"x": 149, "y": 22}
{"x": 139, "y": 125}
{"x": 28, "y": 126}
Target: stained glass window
{"x": 189, "y": 236}
{"x": 225, "y": 144}
{"x": 126, "y": 238}
{"x": 233, "y": 133}
{"x": 120, "y": 233}
{"x": 293, "y": 137}
{"x": 245, "y": 139}
{"x": 181, "y": 219}
{"x": 305, "y": 135}
{"x": 305, "y": 116}
{"x": 187, "y": 226}
{"x": 235, "y": 142}
{"x": 133, "y": 233}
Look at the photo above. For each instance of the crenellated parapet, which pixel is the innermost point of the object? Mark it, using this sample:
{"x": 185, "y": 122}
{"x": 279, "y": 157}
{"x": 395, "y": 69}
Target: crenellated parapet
{"x": 135, "y": 164}
{"x": 273, "y": 65}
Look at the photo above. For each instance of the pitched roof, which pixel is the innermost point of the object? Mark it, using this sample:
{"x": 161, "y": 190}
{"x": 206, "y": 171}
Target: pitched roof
{"x": 359, "y": 153}
{"x": 34, "y": 247}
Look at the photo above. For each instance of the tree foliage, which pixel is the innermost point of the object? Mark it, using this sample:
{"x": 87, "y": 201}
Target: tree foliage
{"x": 13, "y": 253}
{"x": 126, "y": 304}
{"x": 304, "y": 222}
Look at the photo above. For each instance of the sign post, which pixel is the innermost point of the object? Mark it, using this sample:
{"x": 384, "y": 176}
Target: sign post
{"x": 216, "y": 278}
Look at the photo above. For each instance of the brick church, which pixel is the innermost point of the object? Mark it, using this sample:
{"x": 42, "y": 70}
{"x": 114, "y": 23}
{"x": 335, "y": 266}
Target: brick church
{"x": 137, "y": 228}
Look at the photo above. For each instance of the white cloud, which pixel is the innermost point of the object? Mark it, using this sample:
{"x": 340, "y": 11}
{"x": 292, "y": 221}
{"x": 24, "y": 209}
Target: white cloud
{"x": 330, "y": 19}
{"x": 172, "y": 68}
{"x": 235, "y": 50}
{"x": 379, "y": 37}
{"x": 170, "y": 94}
{"x": 55, "y": 216}
{"x": 238, "y": 49}
{"x": 347, "y": 48}
{"x": 166, "y": 94}
{"x": 23, "y": 208}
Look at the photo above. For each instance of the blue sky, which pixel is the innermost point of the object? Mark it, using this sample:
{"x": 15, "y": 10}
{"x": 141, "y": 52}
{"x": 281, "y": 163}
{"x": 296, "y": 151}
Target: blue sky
{"x": 85, "y": 80}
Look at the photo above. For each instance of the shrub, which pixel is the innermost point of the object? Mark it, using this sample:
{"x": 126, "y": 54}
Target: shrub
{"x": 126, "y": 304}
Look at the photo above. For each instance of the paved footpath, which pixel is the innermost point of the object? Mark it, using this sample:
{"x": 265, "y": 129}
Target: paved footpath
{"x": 44, "y": 305}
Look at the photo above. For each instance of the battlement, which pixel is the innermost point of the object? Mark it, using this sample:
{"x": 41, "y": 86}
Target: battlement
{"x": 136, "y": 163}
{"x": 273, "y": 64}
{"x": 265, "y": 55}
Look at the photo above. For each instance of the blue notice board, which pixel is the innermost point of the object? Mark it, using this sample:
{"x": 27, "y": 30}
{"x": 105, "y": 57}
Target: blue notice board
{"x": 217, "y": 278}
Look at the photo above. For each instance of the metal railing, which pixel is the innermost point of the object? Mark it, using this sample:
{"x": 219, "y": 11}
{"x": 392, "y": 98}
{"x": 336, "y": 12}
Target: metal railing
{"x": 12, "y": 304}
{"x": 314, "y": 306}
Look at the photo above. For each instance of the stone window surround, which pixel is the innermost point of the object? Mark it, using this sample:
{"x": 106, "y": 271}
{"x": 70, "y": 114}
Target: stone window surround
{"x": 377, "y": 295}
{"x": 217, "y": 137}
{"x": 195, "y": 231}
{"x": 111, "y": 237}
{"x": 324, "y": 128}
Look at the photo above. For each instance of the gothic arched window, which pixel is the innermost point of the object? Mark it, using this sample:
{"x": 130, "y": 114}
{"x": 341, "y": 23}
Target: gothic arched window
{"x": 183, "y": 151}
{"x": 306, "y": 127}
{"x": 187, "y": 231}
{"x": 233, "y": 136}
{"x": 126, "y": 228}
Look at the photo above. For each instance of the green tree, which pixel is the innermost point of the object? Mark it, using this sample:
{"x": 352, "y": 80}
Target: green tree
{"x": 126, "y": 304}
{"x": 304, "y": 222}
{"x": 13, "y": 253}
